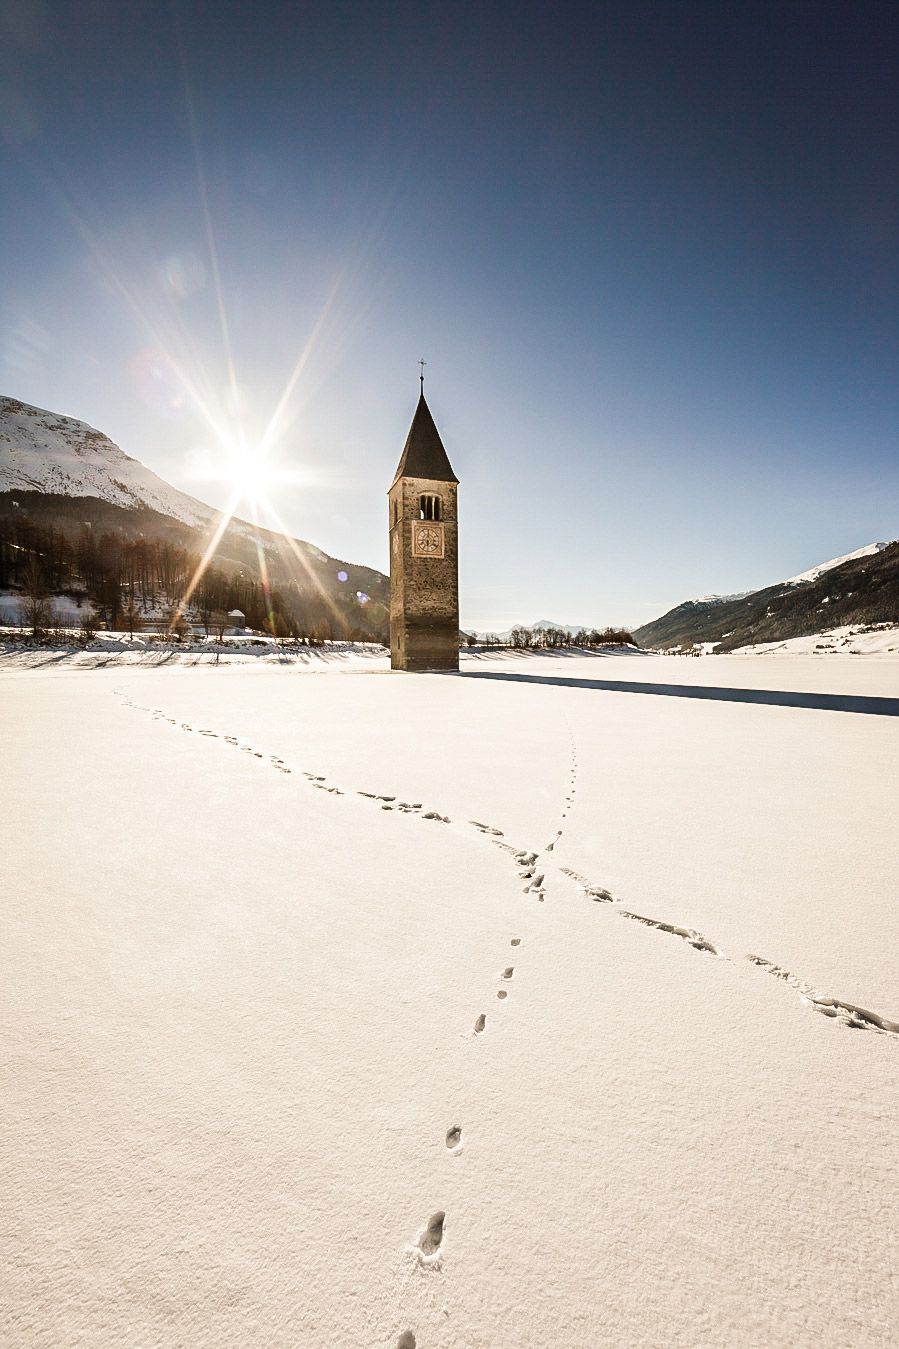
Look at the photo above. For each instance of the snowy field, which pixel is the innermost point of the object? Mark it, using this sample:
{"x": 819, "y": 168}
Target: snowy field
{"x": 554, "y": 1003}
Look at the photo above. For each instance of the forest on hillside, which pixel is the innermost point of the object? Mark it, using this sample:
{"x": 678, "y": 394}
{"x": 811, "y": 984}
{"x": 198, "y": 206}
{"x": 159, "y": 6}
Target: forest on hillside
{"x": 130, "y": 583}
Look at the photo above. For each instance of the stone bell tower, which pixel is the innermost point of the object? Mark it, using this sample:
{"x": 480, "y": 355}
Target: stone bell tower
{"x": 424, "y": 553}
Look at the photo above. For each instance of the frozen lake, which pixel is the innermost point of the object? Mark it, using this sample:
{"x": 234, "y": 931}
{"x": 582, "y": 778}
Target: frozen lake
{"x": 299, "y": 959}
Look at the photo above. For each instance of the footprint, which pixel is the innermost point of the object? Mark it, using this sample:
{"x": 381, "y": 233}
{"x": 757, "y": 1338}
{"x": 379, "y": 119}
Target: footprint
{"x": 508, "y": 972}
{"x": 480, "y": 1024}
{"x": 694, "y": 939}
{"x": 516, "y": 941}
{"x": 431, "y": 1239}
{"x": 453, "y": 1136}
{"x": 502, "y": 994}
{"x": 406, "y": 1340}
{"x": 434, "y": 815}
{"x": 848, "y": 1013}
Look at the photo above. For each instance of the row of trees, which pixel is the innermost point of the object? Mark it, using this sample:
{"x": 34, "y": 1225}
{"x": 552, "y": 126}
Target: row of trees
{"x": 523, "y": 639}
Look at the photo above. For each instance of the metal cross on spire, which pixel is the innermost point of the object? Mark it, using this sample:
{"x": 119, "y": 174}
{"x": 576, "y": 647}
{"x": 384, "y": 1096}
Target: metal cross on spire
{"x": 421, "y": 377}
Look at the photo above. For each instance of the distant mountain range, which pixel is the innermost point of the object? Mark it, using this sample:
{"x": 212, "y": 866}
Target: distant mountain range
{"x": 858, "y": 588}
{"x": 60, "y": 474}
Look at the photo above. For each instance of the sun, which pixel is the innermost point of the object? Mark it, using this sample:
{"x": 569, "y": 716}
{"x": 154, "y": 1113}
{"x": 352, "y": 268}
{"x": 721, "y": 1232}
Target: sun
{"x": 250, "y": 475}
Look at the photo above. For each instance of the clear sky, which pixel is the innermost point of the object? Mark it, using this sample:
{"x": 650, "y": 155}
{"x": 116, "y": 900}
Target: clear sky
{"x": 650, "y": 252}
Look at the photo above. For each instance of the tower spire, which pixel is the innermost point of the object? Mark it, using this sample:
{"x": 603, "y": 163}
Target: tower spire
{"x": 421, "y": 377}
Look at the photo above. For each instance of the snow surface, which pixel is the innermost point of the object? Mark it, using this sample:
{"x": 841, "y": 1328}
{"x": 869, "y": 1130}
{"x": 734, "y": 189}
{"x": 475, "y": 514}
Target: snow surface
{"x": 814, "y": 572}
{"x": 43, "y": 451}
{"x": 253, "y": 920}
{"x": 882, "y": 639}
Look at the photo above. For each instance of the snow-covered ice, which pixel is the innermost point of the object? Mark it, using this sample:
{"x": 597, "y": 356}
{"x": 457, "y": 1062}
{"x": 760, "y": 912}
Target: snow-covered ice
{"x": 348, "y": 1007}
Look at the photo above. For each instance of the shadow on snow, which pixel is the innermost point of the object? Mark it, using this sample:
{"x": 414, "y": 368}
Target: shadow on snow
{"x": 819, "y": 702}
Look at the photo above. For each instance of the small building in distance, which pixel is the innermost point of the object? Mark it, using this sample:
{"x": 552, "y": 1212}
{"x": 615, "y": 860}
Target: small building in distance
{"x": 424, "y": 553}
{"x": 237, "y": 621}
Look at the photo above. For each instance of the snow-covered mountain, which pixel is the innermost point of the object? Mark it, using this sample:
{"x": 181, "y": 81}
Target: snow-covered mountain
{"x": 814, "y": 572}
{"x": 860, "y": 588}
{"x": 42, "y": 451}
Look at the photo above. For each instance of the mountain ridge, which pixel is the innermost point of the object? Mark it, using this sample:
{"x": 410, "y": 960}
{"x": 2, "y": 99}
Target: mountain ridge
{"x": 860, "y": 587}
{"x": 49, "y": 452}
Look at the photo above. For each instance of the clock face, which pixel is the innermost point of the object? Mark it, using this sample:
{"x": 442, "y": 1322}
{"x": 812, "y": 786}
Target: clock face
{"x": 427, "y": 540}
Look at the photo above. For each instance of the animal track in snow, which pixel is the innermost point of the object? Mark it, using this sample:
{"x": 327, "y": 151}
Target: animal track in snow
{"x": 430, "y": 1240}
{"x": 851, "y": 1016}
{"x": 595, "y": 892}
{"x": 502, "y": 993}
{"x": 848, "y": 1014}
{"x": 454, "y": 1137}
{"x": 508, "y": 972}
{"x": 687, "y": 934}
{"x": 406, "y": 1340}
{"x": 516, "y": 941}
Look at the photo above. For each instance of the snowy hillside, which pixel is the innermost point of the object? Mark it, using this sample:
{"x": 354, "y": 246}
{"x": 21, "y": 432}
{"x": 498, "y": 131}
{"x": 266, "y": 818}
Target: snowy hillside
{"x": 43, "y": 451}
{"x": 859, "y": 589}
{"x": 814, "y": 572}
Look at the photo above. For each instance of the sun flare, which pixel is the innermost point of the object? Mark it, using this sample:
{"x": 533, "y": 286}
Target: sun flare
{"x": 250, "y": 475}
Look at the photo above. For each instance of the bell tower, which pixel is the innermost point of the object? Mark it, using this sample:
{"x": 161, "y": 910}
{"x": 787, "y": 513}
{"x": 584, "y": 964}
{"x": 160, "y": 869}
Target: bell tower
{"x": 424, "y": 552}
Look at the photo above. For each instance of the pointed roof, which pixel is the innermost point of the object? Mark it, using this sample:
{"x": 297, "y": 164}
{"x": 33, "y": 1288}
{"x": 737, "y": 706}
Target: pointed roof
{"x": 423, "y": 453}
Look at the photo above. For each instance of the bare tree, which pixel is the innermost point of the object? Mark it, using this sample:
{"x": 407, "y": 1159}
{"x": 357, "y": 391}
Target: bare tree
{"x": 132, "y": 618}
{"x": 88, "y": 630}
{"x": 36, "y": 605}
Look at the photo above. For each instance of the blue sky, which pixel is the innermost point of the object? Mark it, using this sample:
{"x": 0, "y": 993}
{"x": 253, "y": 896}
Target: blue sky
{"x": 650, "y": 252}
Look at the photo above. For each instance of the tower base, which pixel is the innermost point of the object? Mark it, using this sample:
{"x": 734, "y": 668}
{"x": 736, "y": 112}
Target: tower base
{"x": 428, "y": 648}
